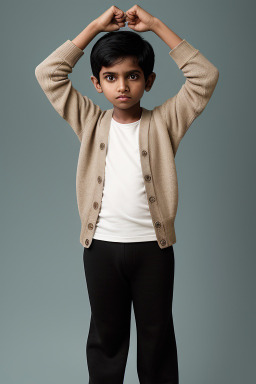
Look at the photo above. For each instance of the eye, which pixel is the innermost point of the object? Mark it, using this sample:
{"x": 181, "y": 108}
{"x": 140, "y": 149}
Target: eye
{"x": 132, "y": 74}
{"x": 108, "y": 76}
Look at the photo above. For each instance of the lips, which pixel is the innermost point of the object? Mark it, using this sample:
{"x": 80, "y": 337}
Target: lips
{"x": 123, "y": 97}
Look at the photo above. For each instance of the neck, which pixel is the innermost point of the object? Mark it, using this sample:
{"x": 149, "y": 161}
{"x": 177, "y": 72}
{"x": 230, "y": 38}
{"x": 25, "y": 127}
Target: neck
{"x": 126, "y": 116}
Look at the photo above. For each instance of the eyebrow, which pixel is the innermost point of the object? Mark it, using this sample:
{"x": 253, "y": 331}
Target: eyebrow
{"x": 115, "y": 73}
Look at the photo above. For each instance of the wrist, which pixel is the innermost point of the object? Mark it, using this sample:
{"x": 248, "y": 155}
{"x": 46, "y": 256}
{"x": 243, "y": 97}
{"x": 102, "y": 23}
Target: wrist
{"x": 95, "y": 27}
{"x": 86, "y": 36}
{"x": 155, "y": 24}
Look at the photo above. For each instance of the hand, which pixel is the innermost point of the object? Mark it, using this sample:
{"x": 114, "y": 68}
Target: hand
{"x": 139, "y": 20}
{"x": 111, "y": 20}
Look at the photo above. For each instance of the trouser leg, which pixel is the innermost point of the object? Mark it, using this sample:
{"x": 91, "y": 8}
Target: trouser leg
{"x": 110, "y": 300}
{"x": 152, "y": 275}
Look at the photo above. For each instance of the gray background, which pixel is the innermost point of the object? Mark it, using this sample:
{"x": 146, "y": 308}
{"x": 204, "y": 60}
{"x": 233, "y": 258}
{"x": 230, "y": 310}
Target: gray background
{"x": 45, "y": 308}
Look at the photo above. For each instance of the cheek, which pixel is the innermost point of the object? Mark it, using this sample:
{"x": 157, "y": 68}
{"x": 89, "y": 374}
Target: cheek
{"x": 140, "y": 87}
{"x": 106, "y": 87}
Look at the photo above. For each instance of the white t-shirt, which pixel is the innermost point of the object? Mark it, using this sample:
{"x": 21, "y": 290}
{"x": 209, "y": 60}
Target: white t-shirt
{"x": 124, "y": 215}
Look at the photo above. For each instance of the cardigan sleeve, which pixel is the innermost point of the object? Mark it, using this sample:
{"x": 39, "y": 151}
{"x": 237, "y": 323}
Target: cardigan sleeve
{"x": 52, "y": 76}
{"x": 202, "y": 76}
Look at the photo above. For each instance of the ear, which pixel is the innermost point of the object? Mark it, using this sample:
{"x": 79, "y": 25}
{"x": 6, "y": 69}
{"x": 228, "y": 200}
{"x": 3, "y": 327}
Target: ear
{"x": 96, "y": 84}
{"x": 150, "y": 81}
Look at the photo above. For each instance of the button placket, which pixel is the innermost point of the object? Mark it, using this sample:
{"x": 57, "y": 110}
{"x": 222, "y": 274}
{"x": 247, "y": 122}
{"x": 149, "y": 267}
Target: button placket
{"x": 90, "y": 226}
{"x": 104, "y": 132}
{"x": 152, "y": 199}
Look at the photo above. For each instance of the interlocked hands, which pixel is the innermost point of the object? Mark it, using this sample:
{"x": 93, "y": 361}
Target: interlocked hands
{"x": 136, "y": 17}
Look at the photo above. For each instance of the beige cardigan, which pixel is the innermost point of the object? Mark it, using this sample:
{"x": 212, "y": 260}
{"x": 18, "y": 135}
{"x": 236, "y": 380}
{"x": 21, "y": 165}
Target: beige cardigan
{"x": 161, "y": 130}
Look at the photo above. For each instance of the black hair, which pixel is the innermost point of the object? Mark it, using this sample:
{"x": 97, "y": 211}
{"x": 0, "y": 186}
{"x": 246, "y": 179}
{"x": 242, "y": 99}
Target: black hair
{"x": 118, "y": 45}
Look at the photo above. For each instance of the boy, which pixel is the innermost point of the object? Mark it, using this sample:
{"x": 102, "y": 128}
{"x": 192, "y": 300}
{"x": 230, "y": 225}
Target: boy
{"x": 127, "y": 189}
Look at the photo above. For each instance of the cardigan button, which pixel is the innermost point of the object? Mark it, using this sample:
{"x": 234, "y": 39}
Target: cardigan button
{"x": 147, "y": 177}
{"x": 152, "y": 199}
{"x": 87, "y": 242}
{"x": 144, "y": 152}
{"x": 157, "y": 224}
{"x": 163, "y": 242}
{"x": 95, "y": 205}
{"x": 90, "y": 226}
{"x": 102, "y": 145}
{"x": 99, "y": 179}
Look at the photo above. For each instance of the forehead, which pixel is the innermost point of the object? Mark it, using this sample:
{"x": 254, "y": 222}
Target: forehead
{"x": 122, "y": 65}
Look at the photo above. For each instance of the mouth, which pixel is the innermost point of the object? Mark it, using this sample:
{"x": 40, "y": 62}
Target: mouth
{"x": 123, "y": 98}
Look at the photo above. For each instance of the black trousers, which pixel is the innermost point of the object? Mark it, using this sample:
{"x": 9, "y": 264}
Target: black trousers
{"x": 118, "y": 274}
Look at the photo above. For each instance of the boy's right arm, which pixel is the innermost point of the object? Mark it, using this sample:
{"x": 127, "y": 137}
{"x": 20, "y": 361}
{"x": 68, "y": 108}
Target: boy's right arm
{"x": 52, "y": 75}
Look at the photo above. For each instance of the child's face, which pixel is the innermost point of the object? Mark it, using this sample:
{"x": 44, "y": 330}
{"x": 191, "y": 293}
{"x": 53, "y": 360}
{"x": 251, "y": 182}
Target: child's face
{"x": 127, "y": 78}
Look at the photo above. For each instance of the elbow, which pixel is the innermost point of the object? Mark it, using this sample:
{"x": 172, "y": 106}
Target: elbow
{"x": 40, "y": 71}
{"x": 208, "y": 91}
{"x": 41, "y": 75}
{"x": 37, "y": 72}
{"x": 215, "y": 75}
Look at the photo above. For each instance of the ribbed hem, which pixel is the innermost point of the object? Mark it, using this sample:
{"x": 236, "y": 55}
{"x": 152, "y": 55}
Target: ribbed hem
{"x": 123, "y": 239}
{"x": 69, "y": 52}
{"x": 182, "y": 53}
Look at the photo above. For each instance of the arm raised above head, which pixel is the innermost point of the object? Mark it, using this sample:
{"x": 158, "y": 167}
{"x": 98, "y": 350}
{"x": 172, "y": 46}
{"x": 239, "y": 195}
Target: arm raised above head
{"x": 201, "y": 75}
{"x": 52, "y": 75}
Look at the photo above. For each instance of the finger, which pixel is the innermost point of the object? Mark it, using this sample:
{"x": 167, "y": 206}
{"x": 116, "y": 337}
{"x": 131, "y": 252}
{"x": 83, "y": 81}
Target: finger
{"x": 118, "y": 12}
{"x": 131, "y": 18}
{"x": 119, "y": 18}
{"x": 132, "y": 12}
{"x": 120, "y": 22}
{"x": 131, "y": 26}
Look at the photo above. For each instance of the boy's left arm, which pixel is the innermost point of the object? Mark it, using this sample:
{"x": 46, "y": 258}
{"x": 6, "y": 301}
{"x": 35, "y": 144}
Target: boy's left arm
{"x": 201, "y": 75}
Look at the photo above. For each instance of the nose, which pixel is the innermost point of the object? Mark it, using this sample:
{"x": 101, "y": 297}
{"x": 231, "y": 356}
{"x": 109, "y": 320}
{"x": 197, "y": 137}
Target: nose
{"x": 122, "y": 85}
